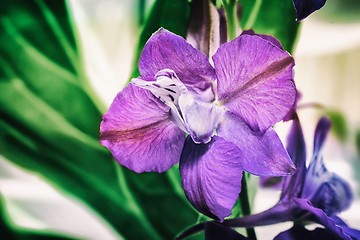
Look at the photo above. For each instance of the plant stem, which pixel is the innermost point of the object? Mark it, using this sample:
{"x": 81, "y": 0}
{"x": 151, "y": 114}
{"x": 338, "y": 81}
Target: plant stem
{"x": 245, "y": 205}
{"x": 231, "y": 19}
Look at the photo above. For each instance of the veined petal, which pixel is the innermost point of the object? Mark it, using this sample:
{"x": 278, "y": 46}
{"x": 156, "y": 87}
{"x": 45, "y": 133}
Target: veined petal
{"x": 138, "y": 132}
{"x": 292, "y": 185}
{"x": 263, "y": 153}
{"x": 165, "y": 50}
{"x": 211, "y": 175}
{"x": 305, "y": 7}
{"x": 167, "y": 88}
{"x": 255, "y": 80}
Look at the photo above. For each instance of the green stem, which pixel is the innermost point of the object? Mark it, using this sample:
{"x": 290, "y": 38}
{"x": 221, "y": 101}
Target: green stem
{"x": 231, "y": 19}
{"x": 245, "y": 205}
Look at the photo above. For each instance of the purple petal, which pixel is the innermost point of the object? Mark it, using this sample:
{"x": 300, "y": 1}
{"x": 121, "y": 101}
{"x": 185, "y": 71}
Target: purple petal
{"x": 305, "y": 7}
{"x": 321, "y": 131}
{"x": 217, "y": 231}
{"x": 138, "y": 132}
{"x": 297, "y": 151}
{"x": 291, "y": 115}
{"x": 263, "y": 153}
{"x": 299, "y": 232}
{"x": 354, "y": 233}
{"x": 165, "y": 50}
{"x": 320, "y": 217}
{"x": 255, "y": 80}
{"x": 332, "y": 196}
{"x": 269, "y": 38}
{"x": 211, "y": 175}
{"x": 325, "y": 189}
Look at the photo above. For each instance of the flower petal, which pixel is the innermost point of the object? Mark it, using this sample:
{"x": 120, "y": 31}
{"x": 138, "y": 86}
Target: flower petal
{"x": 317, "y": 174}
{"x": 297, "y": 150}
{"x": 138, "y": 132}
{"x": 299, "y": 232}
{"x": 305, "y": 7}
{"x": 321, "y": 131}
{"x": 320, "y": 217}
{"x": 292, "y": 185}
{"x": 269, "y": 38}
{"x": 165, "y": 50}
{"x": 255, "y": 80}
{"x": 354, "y": 233}
{"x": 263, "y": 153}
{"x": 325, "y": 189}
{"x": 211, "y": 175}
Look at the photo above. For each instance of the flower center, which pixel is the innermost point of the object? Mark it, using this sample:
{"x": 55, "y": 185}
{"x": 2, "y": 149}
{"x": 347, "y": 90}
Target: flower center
{"x": 189, "y": 111}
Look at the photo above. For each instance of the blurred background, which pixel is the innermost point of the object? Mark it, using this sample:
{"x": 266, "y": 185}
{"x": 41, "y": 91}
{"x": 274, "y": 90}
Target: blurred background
{"x": 327, "y": 74}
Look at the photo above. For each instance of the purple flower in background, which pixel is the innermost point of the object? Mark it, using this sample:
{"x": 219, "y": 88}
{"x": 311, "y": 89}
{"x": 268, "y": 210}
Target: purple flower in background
{"x": 305, "y": 7}
{"x": 215, "y": 120}
{"x": 312, "y": 194}
{"x": 315, "y": 194}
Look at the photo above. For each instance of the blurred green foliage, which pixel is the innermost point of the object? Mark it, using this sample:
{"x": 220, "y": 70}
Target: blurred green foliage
{"x": 339, "y": 125}
{"x": 357, "y": 142}
{"x": 172, "y": 15}
{"x": 271, "y": 17}
{"x": 9, "y": 230}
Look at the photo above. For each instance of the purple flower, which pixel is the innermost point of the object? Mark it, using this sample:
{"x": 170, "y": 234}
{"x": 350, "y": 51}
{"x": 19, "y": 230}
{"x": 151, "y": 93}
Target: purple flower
{"x": 305, "y": 7}
{"x": 215, "y": 120}
{"x": 315, "y": 194}
{"x": 312, "y": 194}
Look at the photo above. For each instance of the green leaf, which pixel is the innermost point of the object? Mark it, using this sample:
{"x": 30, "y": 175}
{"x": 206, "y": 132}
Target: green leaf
{"x": 357, "y": 141}
{"x": 49, "y": 124}
{"x": 172, "y": 15}
{"x": 339, "y": 125}
{"x": 141, "y": 11}
{"x": 9, "y": 230}
{"x": 272, "y": 17}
